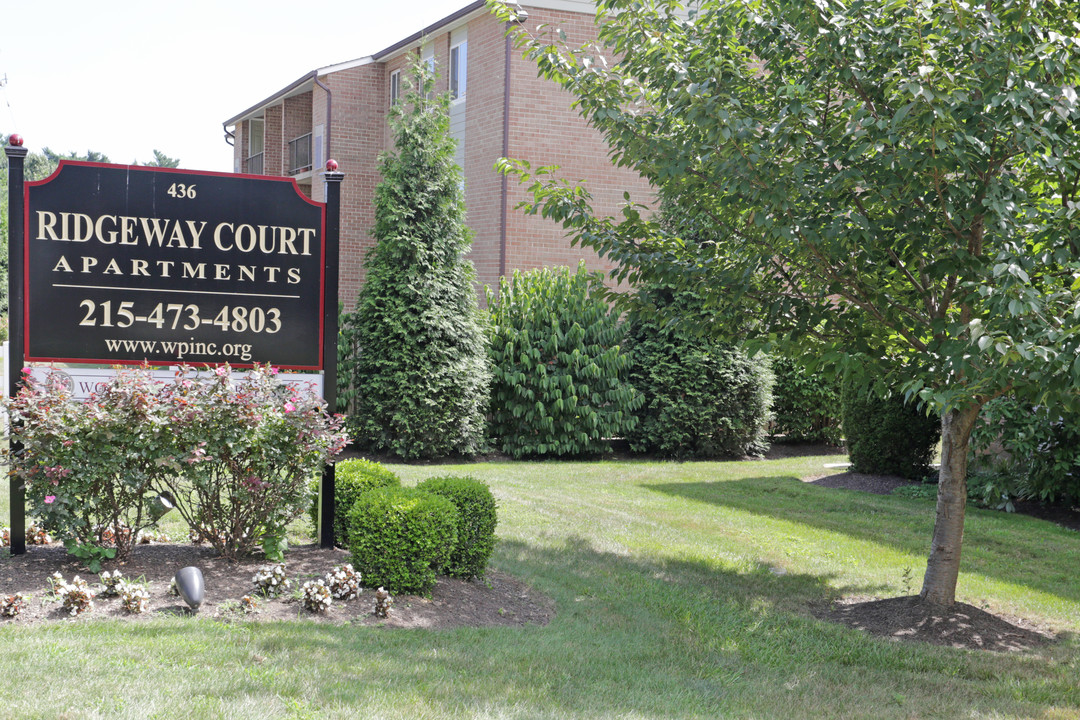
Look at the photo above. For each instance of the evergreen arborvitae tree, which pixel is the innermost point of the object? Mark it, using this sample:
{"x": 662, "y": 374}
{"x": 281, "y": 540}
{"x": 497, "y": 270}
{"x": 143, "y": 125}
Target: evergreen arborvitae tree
{"x": 421, "y": 369}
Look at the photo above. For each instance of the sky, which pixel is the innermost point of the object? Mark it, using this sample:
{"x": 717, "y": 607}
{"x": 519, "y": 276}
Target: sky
{"x": 126, "y": 77}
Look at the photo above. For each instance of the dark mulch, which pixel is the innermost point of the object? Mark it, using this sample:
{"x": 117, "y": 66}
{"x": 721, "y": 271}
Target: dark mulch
{"x": 911, "y": 619}
{"x": 496, "y": 600}
{"x": 959, "y": 626}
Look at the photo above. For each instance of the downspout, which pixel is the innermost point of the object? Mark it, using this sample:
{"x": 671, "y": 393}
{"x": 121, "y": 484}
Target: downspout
{"x": 329, "y": 109}
{"x": 505, "y": 152}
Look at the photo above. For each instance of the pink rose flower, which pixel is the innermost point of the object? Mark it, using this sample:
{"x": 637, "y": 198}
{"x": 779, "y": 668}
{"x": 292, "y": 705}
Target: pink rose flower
{"x": 50, "y": 499}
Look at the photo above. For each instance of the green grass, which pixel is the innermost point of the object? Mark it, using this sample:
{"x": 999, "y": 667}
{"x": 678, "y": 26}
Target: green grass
{"x": 681, "y": 592}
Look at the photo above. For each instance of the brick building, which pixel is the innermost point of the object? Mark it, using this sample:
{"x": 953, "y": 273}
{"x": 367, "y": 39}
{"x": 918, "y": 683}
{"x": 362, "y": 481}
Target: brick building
{"x": 499, "y": 108}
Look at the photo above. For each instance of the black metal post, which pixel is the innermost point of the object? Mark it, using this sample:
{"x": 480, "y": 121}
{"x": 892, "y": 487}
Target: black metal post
{"x": 333, "y": 180}
{"x": 16, "y": 154}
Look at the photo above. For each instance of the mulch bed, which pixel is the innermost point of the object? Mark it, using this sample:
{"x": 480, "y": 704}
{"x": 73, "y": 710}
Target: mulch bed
{"x": 909, "y": 618}
{"x": 496, "y": 600}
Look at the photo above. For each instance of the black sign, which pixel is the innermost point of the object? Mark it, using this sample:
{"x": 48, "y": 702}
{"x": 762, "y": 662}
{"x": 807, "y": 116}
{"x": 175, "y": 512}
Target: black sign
{"x": 126, "y": 264}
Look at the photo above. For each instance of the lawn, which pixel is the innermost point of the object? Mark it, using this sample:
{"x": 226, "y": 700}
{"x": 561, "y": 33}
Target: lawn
{"x": 681, "y": 591}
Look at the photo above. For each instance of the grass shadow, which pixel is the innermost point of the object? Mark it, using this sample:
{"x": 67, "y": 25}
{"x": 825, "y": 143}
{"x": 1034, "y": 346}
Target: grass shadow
{"x": 1011, "y": 548}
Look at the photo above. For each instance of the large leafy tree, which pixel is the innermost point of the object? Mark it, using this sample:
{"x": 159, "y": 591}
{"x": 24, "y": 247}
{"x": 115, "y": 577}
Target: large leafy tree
{"x": 420, "y": 371}
{"x": 895, "y": 181}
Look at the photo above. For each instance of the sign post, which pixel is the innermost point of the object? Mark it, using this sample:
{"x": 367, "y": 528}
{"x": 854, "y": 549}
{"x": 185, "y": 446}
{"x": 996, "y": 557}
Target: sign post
{"x": 333, "y": 180}
{"x": 16, "y": 154}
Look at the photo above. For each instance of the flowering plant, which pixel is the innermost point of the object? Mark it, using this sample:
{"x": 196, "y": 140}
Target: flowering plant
{"x": 315, "y": 596}
{"x": 246, "y": 449}
{"x": 12, "y": 605}
{"x": 87, "y": 465}
{"x": 113, "y": 583}
{"x": 134, "y": 598}
{"x": 76, "y": 595}
{"x": 271, "y": 580}
{"x": 344, "y": 582}
{"x": 236, "y": 454}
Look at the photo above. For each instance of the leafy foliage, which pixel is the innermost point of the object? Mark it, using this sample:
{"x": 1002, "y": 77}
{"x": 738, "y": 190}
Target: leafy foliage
{"x": 246, "y": 451}
{"x": 352, "y": 478}
{"x": 89, "y": 468}
{"x": 560, "y": 376}
{"x": 421, "y": 372}
{"x": 1037, "y": 449}
{"x": 897, "y": 181}
{"x": 476, "y": 524}
{"x": 236, "y": 455}
{"x": 888, "y": 436}
{"x": 806, "y": 404}
{"x": 703, "y": 397}
{"x": 398, "y": 536}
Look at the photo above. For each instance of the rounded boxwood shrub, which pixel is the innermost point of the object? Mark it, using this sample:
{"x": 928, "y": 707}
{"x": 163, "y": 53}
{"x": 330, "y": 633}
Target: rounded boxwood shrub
{"x": 351, "y": 478}
{"x": 887, "y": 436}
{"x": 399, "y": 536}
{"x": 476, "y": 526}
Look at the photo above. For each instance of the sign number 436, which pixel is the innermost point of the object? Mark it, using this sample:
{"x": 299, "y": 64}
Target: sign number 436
{"x": 180, "y": 190}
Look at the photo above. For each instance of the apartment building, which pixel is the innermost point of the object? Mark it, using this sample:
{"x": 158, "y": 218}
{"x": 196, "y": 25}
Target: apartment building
{"x": 499, "y": 108}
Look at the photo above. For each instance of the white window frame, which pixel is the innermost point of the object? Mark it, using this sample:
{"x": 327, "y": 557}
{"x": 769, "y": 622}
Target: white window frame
{"x": 252, "y": 151}
{"x": 459, "y": 70}
{"x": 395, "y": 87}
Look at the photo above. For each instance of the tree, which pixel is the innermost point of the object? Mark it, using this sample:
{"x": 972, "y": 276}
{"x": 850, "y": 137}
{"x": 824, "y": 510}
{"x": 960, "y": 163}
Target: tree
{"x": 162, "y": 160}
{"x": 895, "y": 180}
{"x": 421, "y": 370}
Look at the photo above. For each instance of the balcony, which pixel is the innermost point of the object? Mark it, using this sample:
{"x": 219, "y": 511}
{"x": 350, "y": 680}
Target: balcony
{"x": 300, "y": 155}
{"x": 255, "y": 164}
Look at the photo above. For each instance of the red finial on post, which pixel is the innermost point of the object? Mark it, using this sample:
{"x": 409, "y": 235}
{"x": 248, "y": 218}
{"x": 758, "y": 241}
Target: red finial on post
{"x": 331, "y": 165}
{"x": 15, "y": 140}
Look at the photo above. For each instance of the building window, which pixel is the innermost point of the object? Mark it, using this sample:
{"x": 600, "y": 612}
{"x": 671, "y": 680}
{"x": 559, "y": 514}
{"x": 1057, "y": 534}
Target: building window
{"x": 459, "y": 60}
{"x": 255, "y": 146}
{"x": 395, "y": 87}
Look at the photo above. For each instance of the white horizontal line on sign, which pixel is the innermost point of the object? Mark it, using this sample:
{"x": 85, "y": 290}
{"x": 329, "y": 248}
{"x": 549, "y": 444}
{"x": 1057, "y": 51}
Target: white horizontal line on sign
{"x": 82, "y": 382}
{"x": 182, "y": 292}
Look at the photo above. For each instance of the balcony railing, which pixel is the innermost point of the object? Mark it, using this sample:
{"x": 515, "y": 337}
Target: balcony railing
{"x": 255, "y": 164}
{"x": 300, "y": 155}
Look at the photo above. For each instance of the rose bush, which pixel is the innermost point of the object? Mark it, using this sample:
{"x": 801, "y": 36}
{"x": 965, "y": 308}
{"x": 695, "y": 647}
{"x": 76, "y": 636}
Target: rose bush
{"x": 235, "y": 454}
{"x": 246, "y": 450}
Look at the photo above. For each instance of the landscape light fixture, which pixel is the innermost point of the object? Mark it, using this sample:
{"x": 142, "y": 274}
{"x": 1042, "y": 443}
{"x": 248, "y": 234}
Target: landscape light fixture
{"x": 190, "y": 585}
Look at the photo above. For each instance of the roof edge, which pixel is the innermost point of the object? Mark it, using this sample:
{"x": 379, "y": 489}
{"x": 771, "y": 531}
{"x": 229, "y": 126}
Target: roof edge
{"x": 280, "y": 94}
{"x": 430, "y": 29}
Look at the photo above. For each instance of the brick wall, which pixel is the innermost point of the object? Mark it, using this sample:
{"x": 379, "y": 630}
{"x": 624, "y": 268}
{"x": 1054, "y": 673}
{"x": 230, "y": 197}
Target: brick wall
{"x": 543, "y": 129}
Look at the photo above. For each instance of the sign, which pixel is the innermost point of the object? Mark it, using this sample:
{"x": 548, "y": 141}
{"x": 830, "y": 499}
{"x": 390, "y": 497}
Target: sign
{"x": 132, "y": 264}
{"x": 80, "y": 383}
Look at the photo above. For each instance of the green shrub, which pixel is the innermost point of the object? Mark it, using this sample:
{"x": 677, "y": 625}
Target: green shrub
{"x": 887, "y": 436}
{"x": 476, "y": 526}
{"x": 398, "y": 536}
{"x": 420, "y": 372}
{"x": 559, "y": 386}
{"x": 1026, "y": 452}
{"x": 351, "y": 478}
{"x": 704, "y": 397}
{"x": 235, "y": 454}
{"x": 806, "y": 406}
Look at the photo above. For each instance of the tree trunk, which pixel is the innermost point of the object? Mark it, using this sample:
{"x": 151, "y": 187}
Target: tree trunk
{"x": 943, "y": 566}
